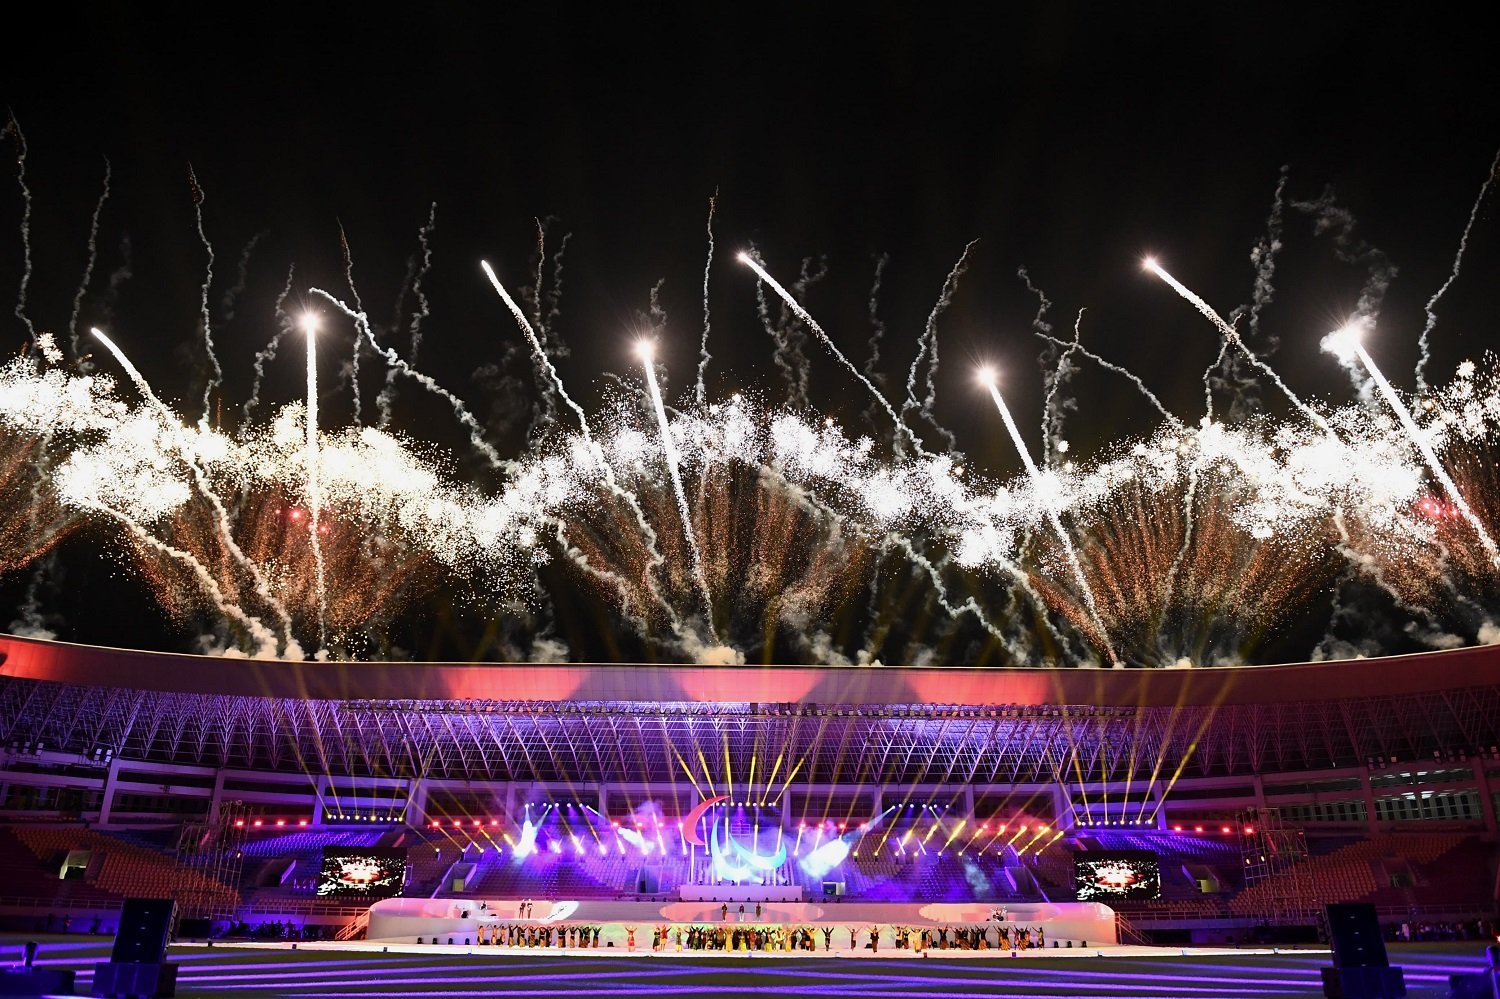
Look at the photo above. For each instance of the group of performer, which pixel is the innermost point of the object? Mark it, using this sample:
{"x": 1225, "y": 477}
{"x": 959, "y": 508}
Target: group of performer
{"x": 776, "y": 937}
{"x": 734, "y": 938}
{"x": 1006, "y": 936}
{"x": 537, "y": 935}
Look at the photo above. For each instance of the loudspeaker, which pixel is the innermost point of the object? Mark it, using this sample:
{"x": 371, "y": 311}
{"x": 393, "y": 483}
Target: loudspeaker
{"x": 145, "y": 924}
{"x": 1357, "y": 942}
{"x": 1364, "y": 983}
{"x": 36, "y": 982}
{"x": 1473, "y": 985}
{"x": 135, "y": 979}
{"x": 194, "y": 929}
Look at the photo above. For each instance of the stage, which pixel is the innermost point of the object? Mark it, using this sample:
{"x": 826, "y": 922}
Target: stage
{"x": 1048, "y": 925}
{"x": 385, "y": 971}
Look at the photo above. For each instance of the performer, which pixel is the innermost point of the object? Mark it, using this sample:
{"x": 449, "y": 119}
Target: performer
{"x": 630, "y": 938}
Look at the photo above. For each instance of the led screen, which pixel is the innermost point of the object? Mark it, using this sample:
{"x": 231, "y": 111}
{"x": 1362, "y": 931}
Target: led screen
{"x": 369, "y": 872}
{"x": 1102, "y": 876}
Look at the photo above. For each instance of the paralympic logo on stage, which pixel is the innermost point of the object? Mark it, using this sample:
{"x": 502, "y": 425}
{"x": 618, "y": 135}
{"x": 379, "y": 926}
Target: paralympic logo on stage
{"x": 732, "y": 860}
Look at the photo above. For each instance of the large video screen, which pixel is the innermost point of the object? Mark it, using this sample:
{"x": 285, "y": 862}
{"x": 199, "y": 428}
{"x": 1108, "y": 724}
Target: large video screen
{"x": 1131, "y": 875}
{"x": 366, "y": 872}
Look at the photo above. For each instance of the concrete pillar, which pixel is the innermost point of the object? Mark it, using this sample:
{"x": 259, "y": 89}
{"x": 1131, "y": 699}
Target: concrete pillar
{"x": 320, "y": 797}
{"x": 1062, "y": 807}
{"x": 111, "y": 774}
{"x": 416, "y": 803}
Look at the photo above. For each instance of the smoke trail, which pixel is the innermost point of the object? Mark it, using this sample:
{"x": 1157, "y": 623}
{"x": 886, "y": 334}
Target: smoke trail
{"x": 550, "y": 370}
{"x": 362, "y": 325}
{"x": 1463, "y": 244}
{"x": 200, "y": 478}
{"x": 268, "y": 352}
{"x": 352, "y": 369}
{"x": 789, "y": 356}
{"x": 1263, "y": 256}
{"x": 1111, "y": 366}
{"x": 536, "y": 296}
{"x": 969, "y": 606}
{"x": 14, "y": 127}
{"x": 1209, "y": 381}
{"x": 928, "y": 345}
{"x": 1058, "y": 368}
{"x": 1232, "y": 335}
{"x": 703, "y": 355}
{"x": 31, "y": 621}
{"x": 546, "y": 302}
{"x": 763, "y": 312}
{"x": 1330, "y": 218}
{"x": 208, "y": 276}
{"x": 1236, "y": 381}
{"x": 655, "y": 559}
{"x": 415, "y": 275}
{"x": 241, "y": 277}
{"x": 749, "y": 261}
{"x": 88, "y": 269}
{"x": 877, "y": 333}
{"x": 554, "y": 297}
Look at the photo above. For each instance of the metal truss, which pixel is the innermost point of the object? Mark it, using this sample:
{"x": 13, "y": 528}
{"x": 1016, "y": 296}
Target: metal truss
{"x": 637, "y": 741}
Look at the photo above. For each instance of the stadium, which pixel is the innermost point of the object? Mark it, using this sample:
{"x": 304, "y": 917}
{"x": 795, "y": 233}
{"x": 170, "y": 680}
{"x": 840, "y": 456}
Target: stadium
{"x": 1092, "y": 811}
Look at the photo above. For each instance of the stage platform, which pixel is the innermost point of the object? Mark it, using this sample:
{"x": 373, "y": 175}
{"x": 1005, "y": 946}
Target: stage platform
{"x": 1059, "y": 925}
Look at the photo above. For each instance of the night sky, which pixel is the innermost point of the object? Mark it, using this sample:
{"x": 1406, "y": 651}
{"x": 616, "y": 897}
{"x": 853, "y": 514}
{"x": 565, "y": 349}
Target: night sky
{"x": 1070, "y": 139}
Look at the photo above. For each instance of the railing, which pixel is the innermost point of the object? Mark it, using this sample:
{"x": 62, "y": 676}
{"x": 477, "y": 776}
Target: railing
{"x": 1126, "y": 933}
{"x": 358, "y": 925}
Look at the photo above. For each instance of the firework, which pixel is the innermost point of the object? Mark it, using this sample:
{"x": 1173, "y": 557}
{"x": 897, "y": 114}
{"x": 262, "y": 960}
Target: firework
{"x": 1347, "y": 341}
{"x": 1180, "y": 581}
{"x": 1099, "y": 633}
{"x": 32, "y": 519}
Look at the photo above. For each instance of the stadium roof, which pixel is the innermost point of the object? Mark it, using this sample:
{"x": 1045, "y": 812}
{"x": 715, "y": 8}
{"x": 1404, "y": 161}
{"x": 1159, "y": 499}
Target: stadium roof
{"x": 602, "y": 722}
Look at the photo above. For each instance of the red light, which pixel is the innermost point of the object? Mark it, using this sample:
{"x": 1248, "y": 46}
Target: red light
{"x": 478, "y": 823}
{"x": 1197, "y": 828}
{"x": 302, "y": 822}
{"x": 1225, "y": 829}
{"x": 457, "y": 823}
{"x": 841, "y": 827}
{"x": 1249, "y": 830}
{"x": 239, "y": 823}
{"x": 494, "y": 822}
{"x": 437, "y": 825}
{"x": 281, "y": 822}
{"x": 1177, "y": 828}
{"x": 257, "y": 823}
{"x": 294, "y": 514}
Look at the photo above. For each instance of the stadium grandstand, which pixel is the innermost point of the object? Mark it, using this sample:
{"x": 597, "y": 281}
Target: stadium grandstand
{"x": 1262, "y": 794}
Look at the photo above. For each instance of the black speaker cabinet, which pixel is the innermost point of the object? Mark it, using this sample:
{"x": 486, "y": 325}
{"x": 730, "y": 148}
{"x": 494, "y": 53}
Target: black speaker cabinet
{"x": 145, "y": 924}
{"x": 1357, "y": 942}
{"x": 1364, "y": 983}
{"x": 36, "y": 982}
{"x": 135, "y": 980}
